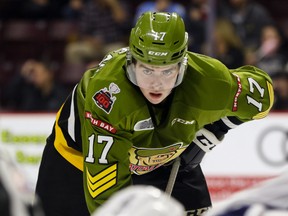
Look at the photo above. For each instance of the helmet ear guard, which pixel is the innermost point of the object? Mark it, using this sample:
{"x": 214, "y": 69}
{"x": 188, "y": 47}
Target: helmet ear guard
{"x": 183, "y": 67}
{"x": 130, "y": 68}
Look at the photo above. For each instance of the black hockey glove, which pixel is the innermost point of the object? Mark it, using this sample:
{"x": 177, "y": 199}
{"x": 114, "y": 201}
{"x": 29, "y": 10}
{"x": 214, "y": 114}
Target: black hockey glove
{"x": 205, "y": 140}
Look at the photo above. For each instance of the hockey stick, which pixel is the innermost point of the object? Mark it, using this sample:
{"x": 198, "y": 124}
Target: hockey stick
{"x": 173, "y": 175}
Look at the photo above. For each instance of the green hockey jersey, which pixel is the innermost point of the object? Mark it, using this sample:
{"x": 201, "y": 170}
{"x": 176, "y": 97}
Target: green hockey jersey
{"x": 107, "y": 128}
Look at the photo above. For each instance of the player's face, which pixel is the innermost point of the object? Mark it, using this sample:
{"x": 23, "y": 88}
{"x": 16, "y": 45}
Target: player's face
{"x": 156, "y": 82}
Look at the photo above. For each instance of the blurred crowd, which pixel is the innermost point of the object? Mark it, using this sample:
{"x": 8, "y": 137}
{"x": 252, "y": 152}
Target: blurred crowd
{"x": 46, "y": 45}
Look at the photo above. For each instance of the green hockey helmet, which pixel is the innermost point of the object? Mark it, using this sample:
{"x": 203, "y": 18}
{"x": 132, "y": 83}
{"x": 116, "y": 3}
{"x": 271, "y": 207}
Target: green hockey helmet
{"x": 159, "y": 39}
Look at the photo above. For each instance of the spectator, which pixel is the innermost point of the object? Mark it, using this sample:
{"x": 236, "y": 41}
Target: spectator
{"x": 227, "y": 44}
{"x": 39, "y": 9}
{"x": 104, "y": 27}
{"x": 270, "y": 55}
{"x": 35, "y": 89}
{"x": 72, "y": 11}
{"x": 195, "y": 21}
{"x": 280, "y": 85}
{"x": 248, "y": 17}
{"x": 160, "y": 6}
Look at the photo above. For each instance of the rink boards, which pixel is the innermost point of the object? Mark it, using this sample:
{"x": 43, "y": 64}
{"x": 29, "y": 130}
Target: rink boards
{"x": 249, "y": 154}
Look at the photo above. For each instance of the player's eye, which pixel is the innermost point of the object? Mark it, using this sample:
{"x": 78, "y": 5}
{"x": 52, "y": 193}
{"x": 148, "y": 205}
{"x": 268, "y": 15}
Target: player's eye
{"x": 147, "y": 71}
{"x": 167, "y": 72}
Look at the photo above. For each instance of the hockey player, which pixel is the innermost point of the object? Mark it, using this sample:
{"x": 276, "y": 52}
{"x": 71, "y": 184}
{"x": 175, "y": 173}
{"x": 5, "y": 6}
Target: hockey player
{"x": 268, "y": 198}
{"x": 16, "y": 196}
{"x": 142, "y": 107}
{"x": 141, "y": 200}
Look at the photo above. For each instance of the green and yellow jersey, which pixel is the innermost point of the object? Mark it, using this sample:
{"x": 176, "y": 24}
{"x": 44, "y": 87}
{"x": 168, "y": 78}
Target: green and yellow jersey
{"x": 107, "y": 129}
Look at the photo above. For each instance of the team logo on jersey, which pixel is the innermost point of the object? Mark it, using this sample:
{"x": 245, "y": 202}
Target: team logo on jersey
{"x": 144, "y": 160}
{"x": 104, "y": 98}
{"x": 145, "y": 124}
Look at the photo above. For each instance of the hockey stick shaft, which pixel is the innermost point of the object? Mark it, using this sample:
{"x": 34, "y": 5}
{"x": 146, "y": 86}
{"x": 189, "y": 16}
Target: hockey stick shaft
{"x": 173, "y": 176}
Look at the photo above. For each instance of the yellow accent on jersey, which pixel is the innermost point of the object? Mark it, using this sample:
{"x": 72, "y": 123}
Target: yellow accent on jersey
{"x": 96, "y": 185}
{"x": 71, "y": 155}
{"x": 271, "y": 99}
{"x": 102, "y": 181}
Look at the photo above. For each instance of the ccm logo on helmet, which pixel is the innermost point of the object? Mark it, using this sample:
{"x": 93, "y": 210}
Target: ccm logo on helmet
{"x": 157, "y": 53}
